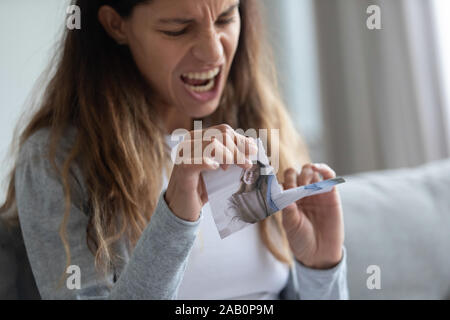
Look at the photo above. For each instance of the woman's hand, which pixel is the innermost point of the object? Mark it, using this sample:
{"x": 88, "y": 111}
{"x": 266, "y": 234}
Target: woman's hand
{"x": 314, "y": 225}
{"x": 186, "y": 193}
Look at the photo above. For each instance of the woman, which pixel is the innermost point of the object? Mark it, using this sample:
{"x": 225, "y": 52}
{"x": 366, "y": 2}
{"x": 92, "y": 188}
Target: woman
{"x": 88, "y": 184}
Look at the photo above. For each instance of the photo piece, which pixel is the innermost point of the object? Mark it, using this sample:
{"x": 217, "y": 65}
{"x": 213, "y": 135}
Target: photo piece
{"x": 239, "y": 197}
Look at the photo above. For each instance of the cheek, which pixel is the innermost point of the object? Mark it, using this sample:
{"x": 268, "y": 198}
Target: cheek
{"x": 155, "y": 60}
{"x": 230, "y": 40}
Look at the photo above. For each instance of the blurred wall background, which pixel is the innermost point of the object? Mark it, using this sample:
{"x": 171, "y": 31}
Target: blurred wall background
{"x": 291, "y": 31}
{"x": 363, "y": 99}
{"x": 28, "y": 33}
{"x": 383, "y": 98}
{"x": 382, "y": 94}
{"x": 441, "y": 9}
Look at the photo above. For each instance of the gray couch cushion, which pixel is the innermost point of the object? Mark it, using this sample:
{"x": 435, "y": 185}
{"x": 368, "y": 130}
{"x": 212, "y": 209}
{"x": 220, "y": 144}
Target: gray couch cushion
{"x": 16, "y": 278}
{"x": 8, "y": 265}
{"x": 399, "y": 220}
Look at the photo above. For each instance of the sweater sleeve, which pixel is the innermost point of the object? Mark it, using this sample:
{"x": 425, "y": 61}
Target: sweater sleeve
{"x": 329, "y": 284}
{"x": 154, "y": 270}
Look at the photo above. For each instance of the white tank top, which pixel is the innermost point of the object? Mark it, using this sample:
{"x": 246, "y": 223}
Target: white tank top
{"x": 237, "y": 267}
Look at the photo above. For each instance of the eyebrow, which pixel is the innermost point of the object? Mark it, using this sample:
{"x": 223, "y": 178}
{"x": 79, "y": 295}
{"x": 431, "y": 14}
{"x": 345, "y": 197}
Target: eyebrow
{"x": 187, "y": 21}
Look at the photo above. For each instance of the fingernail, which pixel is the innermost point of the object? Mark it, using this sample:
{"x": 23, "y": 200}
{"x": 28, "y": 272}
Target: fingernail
{"x": 213, "y": 163}
{"x": 253, "y": 148}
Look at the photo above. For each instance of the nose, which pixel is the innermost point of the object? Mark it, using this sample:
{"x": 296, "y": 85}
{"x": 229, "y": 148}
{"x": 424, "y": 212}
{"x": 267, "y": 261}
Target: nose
{"x": 208, "y": 48}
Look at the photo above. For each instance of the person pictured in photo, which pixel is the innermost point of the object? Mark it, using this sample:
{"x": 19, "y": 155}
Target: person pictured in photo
{"x": 253, "y": 201}
{"x": 93, "y": 184}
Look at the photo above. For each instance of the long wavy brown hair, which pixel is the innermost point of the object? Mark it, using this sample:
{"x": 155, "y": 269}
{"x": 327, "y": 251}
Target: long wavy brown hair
{"x": 119, "y": 145}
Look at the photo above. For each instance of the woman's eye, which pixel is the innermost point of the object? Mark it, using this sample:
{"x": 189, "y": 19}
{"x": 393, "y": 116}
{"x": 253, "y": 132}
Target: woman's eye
{"x": 225, "y": 21}
{"x": 174, "y": 33}
{"x": 181, "y": 32}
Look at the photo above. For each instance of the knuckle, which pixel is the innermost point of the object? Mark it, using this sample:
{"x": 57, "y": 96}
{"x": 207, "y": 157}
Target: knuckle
{"x": 219, "y": 148}
{"x": 290, "y": 183}
{"x": 226, "y": 135}
{"x": 290, "y": 172}
{"x": 216, "y": 140}
{"x": 307, "y": 166}
{"x": 216, "y": 143}
{"x": 229, "y": 141}
{"x": 225, "y": 128}
{"x": 188, "y": 135}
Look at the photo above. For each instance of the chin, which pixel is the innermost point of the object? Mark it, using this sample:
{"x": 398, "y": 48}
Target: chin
{"x": 202, "y": 111}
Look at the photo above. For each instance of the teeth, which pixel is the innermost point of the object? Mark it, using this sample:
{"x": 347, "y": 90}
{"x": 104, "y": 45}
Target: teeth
{"x": 204, "y": 88}
{"x": 202, "y": 76}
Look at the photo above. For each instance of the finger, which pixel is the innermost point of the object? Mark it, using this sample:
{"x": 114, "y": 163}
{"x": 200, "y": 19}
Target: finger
{"x": 204, "y": 194}
{"x": 199, "y": 155}
{"x": 290, "y": 178}
{"x": 240, "y": 149}
{"x": 209, "y": 132}
{"x": 192, "y": 151}
{"x": 251, "y": 147}
{"x": 326, "y": 172}
{"x": 220, "y": 152}
{"x": 306, "y": 175}
{"x": 245, "y": 145}
{"x": 316, "y": 177}
{"x": 193, "y": 135}
{"x": 291, "y": 218}
{"x": 199, "y": 164}
{"x": 225, "y": 156}
{"x": 240, "y": 146}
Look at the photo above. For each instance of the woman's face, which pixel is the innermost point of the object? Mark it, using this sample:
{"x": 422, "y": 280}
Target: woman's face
{"x": 185, "y": 49}
{"x": 251, "y": 175}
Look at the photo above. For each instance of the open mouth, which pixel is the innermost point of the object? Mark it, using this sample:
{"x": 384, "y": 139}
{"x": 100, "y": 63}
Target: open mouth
{"x": 201, "y": 82}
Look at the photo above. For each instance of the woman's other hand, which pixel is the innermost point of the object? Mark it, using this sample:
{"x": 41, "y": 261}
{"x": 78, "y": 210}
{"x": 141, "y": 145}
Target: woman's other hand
{"x": 314, "y": 225}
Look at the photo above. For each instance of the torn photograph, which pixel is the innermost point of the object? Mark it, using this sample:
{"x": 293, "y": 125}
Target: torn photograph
{"x": 241, "y": 197}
